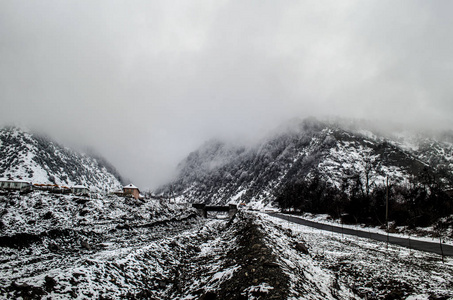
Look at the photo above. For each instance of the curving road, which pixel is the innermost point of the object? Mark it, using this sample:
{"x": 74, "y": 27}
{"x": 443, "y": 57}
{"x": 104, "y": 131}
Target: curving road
{"x": 432, "y": 247}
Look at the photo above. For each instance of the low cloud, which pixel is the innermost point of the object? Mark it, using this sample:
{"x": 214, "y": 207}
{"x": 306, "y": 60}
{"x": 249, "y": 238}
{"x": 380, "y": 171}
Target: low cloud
{"x": 146, "y": 82}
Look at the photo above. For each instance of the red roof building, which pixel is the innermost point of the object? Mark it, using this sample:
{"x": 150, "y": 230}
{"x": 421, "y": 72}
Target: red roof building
{"x": 131, "y": 190}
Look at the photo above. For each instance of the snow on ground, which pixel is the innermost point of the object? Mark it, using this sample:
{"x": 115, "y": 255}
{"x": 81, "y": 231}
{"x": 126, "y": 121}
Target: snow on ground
{"x": 61, "y": 246}
{"x": 38, "y": 212}
{"x": 152, "y": 270}
{"x": 365, "y": 267}
{"x": 308, "y": 280}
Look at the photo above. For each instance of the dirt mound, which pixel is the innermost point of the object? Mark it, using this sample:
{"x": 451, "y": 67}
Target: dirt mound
{"x": 258, "y": 276}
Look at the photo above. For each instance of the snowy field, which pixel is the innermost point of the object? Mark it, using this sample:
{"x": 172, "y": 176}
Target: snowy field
{"x": 66, "y": 247}
{"x": 364, "y": 266}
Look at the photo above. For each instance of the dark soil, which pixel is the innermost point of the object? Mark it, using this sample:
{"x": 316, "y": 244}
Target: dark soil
{"x": 258, "y": 265}
{"x": 19, "y": 240}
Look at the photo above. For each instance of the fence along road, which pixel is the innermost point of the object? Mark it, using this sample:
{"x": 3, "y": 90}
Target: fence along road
{"x": 442, "y": 249}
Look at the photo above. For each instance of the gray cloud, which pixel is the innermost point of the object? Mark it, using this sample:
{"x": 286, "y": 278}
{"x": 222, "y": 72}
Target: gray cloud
{"x": 145, "y": 82}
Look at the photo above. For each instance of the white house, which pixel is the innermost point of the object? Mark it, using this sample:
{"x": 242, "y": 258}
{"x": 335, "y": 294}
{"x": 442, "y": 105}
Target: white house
{"x": 15, "y": 184}
{"x": 80, "y": 190}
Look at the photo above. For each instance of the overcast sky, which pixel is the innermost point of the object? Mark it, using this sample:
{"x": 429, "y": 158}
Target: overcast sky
{"x": 146, "y": 82}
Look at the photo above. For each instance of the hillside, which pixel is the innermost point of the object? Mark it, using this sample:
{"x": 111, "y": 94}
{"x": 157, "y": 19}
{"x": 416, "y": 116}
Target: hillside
{"x": 38, "y": 159}
{"x": 339, "y": 155}
{"x": 58, "y": 245}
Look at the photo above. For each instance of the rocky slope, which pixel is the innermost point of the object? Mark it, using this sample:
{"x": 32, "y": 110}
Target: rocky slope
{"x": 221, "y": 172}
{"x": 38, "y": 159}
{"x": 63, "y": 246}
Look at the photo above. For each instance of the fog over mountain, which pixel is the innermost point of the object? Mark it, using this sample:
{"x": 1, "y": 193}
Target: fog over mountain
{"x": 147, "y": 82}
{"x": 345, "y": 157}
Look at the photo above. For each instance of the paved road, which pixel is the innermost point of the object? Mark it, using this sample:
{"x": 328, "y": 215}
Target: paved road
{"x": 406, "y": 242}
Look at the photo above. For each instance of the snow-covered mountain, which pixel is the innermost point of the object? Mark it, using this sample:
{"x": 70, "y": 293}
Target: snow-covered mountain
{"x": 221, "y": 172}
{"x": 38, "y": 159}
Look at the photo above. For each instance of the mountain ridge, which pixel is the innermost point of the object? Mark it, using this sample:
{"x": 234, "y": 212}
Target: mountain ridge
{"x": 219, "y": 172}
{"x": 37, "y": 158}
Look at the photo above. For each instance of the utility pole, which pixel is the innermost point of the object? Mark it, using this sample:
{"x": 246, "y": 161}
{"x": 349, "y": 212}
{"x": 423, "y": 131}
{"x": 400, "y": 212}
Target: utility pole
{"x": 410, "y": 247}
{"x": 387, "y": 209}
{"x": 440, "y": 243}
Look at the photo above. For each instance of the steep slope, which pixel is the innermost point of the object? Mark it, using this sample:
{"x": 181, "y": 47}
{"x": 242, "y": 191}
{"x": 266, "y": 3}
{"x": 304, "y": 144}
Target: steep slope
{"x": 219, "y": 172}
{"x": 38, "y": 159}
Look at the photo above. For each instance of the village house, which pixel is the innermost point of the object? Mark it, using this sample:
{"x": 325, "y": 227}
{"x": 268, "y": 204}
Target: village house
{"x": 131, "y": 190}
{"x": 80, "y": 190}
{"x": 15, "y": 184}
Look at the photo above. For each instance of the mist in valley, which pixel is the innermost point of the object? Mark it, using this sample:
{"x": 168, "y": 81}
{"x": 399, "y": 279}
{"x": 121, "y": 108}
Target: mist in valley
{"x": 147, "y": 82}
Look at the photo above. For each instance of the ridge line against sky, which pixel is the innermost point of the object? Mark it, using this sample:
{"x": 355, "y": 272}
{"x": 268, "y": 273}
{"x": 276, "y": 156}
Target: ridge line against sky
{"x": 146, "y": 82}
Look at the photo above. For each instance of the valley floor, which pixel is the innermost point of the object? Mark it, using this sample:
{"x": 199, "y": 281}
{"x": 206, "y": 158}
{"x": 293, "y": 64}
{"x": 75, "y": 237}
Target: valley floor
{"x": 166, "y": 252}
{"x": 370, "y": 269}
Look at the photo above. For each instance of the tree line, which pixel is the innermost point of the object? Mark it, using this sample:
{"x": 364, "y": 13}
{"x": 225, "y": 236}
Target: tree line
{"x": 419, "y": 202}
